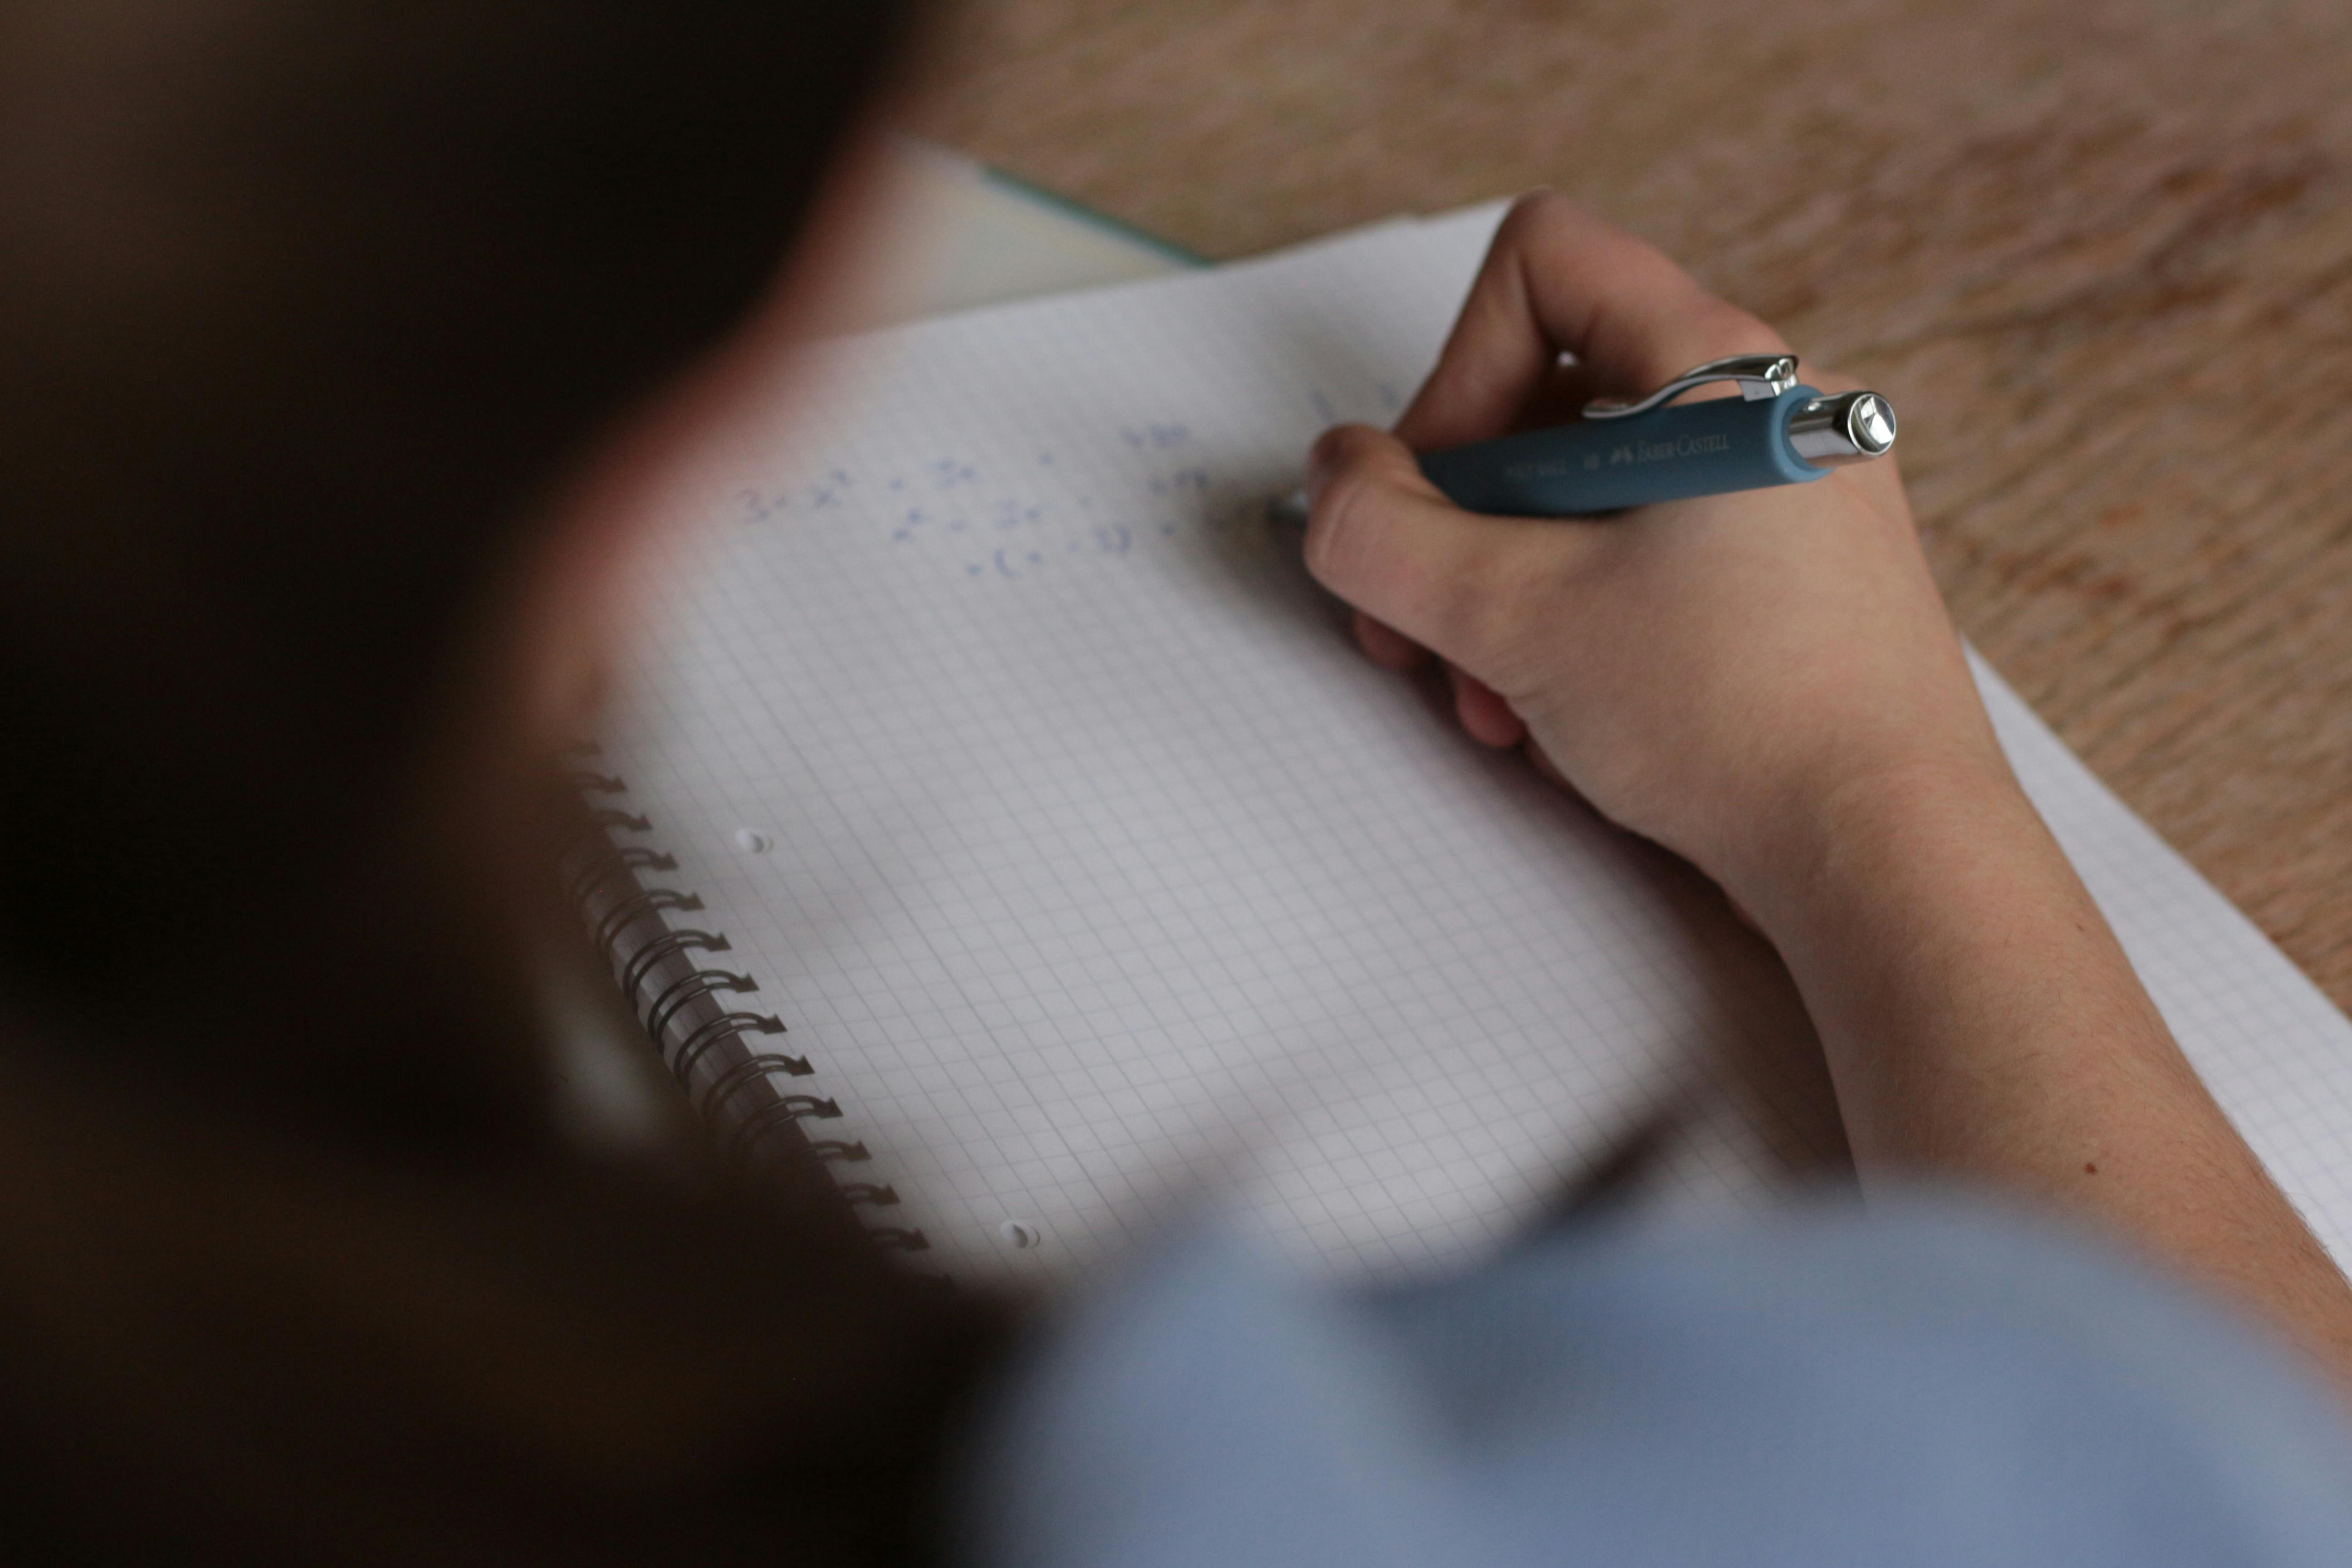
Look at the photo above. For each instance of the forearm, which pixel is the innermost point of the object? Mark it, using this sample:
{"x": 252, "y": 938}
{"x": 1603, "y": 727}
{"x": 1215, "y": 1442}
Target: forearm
{"x": 1981, "y": 1020}
{"x": 1707, "y": 673}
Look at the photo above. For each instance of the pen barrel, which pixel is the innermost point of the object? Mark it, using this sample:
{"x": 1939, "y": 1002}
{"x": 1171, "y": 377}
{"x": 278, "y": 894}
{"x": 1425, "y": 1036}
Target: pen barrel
{"x": 1606, "y": 464}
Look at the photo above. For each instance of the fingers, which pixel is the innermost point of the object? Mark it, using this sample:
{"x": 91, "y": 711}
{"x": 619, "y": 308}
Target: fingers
{"x": 1559, "y": 280}
{"x": 1483, "y": 715}
{"x": 1381, "y": 536}
{"x": 1387, "y": 646}
{"x": 1483, "y": 712}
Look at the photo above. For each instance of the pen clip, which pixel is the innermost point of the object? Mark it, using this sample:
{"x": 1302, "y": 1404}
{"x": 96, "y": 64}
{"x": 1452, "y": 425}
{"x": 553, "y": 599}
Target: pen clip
{"x": 1759, "y": 376}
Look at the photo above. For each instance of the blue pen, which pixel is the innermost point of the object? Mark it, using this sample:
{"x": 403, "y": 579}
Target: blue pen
{"x": 1627, "y": 453}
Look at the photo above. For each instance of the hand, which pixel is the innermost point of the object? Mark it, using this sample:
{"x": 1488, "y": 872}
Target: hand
{"x": 1716, "y": 673}
{"x": 1768, "y": 683}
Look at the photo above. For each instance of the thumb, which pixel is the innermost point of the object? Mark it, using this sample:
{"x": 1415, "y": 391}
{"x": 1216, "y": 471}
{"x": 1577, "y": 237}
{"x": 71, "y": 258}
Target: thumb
{"x": 1383, "y": 538}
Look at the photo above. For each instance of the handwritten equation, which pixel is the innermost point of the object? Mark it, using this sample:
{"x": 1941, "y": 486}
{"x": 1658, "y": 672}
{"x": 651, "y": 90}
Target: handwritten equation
{"x": 1013, "y": 519}
{"x": 1049, "y": 510}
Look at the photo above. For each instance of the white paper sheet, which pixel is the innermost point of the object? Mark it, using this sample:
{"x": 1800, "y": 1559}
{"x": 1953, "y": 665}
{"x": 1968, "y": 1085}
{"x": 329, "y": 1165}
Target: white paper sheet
{"x": 1105, "y": 880}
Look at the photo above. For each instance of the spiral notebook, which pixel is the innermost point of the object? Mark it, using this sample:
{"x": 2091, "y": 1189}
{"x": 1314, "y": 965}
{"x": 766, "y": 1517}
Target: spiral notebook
{"x": 1003, "y": 829}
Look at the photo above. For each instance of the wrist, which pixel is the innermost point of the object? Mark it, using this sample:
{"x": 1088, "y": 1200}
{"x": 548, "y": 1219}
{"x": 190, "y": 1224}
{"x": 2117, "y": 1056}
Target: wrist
{"x": 1950, "y": 957}
{"x": 1843, "y": 851}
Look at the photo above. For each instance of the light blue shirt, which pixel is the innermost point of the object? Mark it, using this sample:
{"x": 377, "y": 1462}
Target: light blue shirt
{"x": 1922, "y": 1382}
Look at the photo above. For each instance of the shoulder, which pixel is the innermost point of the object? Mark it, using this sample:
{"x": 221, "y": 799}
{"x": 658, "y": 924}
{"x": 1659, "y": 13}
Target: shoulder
{"x": 1924, "y": 1380}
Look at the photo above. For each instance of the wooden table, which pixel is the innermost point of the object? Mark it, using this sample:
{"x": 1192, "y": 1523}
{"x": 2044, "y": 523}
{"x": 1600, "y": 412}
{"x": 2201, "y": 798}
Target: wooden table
{"x": 2099, "y": 254}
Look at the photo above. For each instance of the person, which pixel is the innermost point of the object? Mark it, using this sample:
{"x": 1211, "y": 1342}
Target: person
{"x": 321, "y": 324}
{"x": 339, "y": 344}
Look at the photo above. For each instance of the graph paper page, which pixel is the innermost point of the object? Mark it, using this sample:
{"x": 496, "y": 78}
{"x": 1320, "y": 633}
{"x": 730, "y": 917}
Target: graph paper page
{"x": 1102, "y": 882}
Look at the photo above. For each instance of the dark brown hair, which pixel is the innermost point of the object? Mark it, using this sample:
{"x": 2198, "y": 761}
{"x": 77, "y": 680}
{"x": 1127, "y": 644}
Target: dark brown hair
{"x": 302, "y": 307}
{"x": 305, "y": 308}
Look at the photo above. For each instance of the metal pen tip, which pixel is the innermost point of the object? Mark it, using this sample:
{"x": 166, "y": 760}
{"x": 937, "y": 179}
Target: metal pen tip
{"x": 1288, "y": 513}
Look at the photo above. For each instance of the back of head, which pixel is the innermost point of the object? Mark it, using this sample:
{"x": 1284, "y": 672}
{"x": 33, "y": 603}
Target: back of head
{"x": 303, "y": 307}
{"x": 308, "y": 308}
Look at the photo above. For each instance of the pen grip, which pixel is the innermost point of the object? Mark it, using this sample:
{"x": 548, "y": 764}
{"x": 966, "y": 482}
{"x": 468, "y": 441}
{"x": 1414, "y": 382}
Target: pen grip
{"x": 1603, "y": 465}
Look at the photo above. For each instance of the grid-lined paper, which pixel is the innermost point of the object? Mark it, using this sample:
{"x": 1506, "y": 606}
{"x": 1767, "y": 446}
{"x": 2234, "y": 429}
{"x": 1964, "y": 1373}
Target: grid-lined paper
{"x": 1100, "y": 879}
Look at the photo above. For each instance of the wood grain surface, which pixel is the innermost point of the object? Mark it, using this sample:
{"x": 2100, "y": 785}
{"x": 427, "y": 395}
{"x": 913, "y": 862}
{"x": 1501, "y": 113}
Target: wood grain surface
{"x": 2100, "y": 256}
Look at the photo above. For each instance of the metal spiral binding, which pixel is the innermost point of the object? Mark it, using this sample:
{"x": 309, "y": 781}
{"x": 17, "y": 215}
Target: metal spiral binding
{"x": 600, "y": 859}
{"x": 791, "y": 1108}
{"x": 753, "y": 1070}
{"x": 706, "y": 1045}
{"x": 681, "y": 995}
{"x": 691, "y": 1048}
{"x": 626, "y": 910}
{"x": 643, "y": 962}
